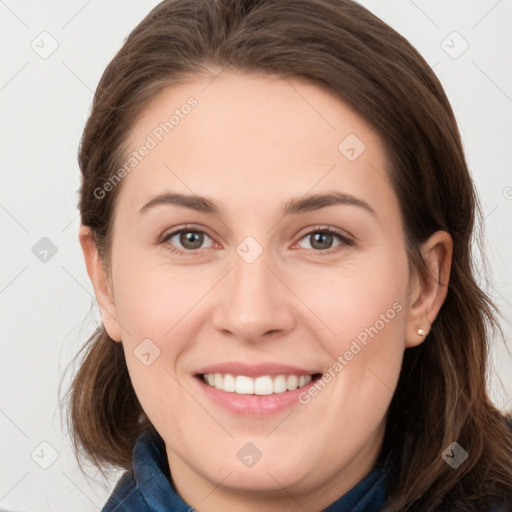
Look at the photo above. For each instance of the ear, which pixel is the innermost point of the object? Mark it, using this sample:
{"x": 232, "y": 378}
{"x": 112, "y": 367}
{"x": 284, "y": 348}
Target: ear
{"x": 99, "y": 280}
{"x": 428, "y": 294}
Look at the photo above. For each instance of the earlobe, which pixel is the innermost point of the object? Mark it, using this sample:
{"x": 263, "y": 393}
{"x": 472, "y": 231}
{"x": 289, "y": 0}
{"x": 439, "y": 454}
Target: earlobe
{"x": 98, "y": 276}
{"x": 429, "y": 292}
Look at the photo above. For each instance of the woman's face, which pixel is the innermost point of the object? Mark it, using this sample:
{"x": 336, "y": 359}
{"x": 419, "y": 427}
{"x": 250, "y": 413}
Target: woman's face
{"x": 258, "y": 244}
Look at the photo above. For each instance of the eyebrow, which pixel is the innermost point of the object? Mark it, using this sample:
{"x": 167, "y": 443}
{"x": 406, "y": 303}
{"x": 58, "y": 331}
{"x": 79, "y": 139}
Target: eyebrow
{"x": 200, "y": 204}
{"x": 293, "y": 206}
{"x": 318, "y": 201}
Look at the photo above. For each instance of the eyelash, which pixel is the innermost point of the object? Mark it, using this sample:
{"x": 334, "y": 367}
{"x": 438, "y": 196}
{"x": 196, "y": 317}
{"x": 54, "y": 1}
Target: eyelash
{"x": 345, "y": 241}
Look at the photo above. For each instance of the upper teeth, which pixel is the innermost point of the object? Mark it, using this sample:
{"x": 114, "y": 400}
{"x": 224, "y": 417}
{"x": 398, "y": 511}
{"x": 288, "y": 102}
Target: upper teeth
{"x": 264, "y": 385}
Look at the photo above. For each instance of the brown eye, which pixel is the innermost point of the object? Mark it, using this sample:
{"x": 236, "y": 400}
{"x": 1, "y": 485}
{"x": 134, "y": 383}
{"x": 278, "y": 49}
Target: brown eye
{"x": 323, "y": 240}
{"x": 187, "y": 239}
{"x": 191, "y": 239}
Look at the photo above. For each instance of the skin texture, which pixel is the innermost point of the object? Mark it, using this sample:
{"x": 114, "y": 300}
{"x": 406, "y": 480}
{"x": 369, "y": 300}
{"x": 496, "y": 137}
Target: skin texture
{"x": 252, "y": 143}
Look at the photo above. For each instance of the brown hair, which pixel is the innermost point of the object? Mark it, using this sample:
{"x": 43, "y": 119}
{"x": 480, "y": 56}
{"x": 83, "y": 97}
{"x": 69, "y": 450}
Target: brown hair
{"x": 441, "y": 395}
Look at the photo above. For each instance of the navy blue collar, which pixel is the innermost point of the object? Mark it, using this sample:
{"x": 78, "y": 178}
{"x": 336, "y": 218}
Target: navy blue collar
{"x": 148, "y": 487}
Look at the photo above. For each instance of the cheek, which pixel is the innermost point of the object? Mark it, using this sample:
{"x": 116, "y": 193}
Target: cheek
{"x": 153, "y": 301}
{"x": 155, "y": 307}
{"x": 159, "y": 310}
{"x": 362, "y": 312}
{"x": 359, "y": 301}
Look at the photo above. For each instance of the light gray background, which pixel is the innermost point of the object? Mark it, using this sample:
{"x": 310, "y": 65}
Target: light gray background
{"x": 46, "y": 306}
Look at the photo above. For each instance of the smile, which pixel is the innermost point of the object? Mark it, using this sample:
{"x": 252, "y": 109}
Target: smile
{"x": 263, "y": 385}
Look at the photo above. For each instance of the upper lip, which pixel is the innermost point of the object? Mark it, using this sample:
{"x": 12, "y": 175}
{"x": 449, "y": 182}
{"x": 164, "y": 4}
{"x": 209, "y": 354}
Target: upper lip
{"x": 254, "y": 370}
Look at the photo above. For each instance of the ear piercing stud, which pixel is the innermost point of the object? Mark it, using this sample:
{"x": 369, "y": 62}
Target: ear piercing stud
{"x": 421, "y": 332}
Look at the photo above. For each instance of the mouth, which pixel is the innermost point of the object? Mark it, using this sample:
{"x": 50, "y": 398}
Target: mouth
{"x": 254, "y": 390}
{"x": 262, "y": 385}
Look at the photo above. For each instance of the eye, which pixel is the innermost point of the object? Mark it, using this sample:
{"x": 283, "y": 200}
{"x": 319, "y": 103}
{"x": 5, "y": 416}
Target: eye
{"x": 324, "y": 239}
{"x": 188, "y": 239}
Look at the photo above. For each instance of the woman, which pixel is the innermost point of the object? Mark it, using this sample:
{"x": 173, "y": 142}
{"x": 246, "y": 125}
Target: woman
{"x": 276, "y": 218}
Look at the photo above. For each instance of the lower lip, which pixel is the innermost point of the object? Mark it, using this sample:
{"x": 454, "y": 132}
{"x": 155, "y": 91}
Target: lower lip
{"x": 254, "y": 405}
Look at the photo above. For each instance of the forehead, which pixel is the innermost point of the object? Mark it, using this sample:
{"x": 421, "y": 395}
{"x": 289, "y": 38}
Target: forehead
{"x": 238, "y": 136}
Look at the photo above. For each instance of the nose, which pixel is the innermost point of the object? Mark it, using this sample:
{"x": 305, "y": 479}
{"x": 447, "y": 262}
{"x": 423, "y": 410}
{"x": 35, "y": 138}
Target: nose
{"x": 253, "y": 304}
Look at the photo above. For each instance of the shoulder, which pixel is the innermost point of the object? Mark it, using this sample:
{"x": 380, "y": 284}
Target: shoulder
{"x": 125, "y": 497}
